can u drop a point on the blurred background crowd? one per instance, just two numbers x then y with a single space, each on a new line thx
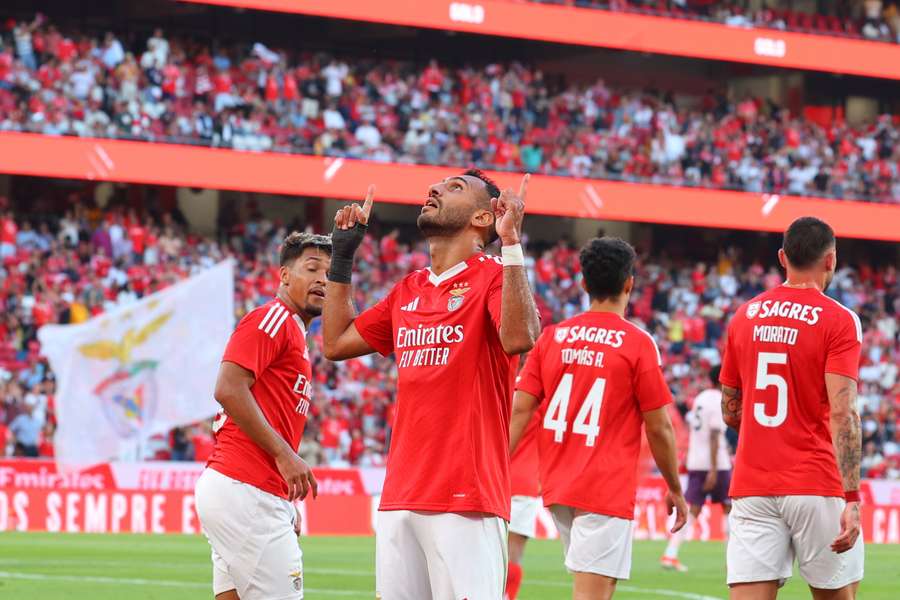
67 269
501 115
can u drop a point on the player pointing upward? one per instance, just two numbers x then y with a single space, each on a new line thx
789 383
455 329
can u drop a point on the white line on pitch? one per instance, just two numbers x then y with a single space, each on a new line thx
151 582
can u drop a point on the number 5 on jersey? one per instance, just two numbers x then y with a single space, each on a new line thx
764 379
588 418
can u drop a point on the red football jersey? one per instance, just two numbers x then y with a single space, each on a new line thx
595 374
523 464
270 341
779 347
450 443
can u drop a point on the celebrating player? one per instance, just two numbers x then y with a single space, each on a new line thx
244 496
598 378
708 464
526 502
456 330
791 364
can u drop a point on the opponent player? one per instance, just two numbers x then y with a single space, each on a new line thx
708 464
598 379
526 502
244 495
456 330
791 364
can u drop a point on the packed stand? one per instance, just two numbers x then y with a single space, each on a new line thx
502 116
88 261
876 20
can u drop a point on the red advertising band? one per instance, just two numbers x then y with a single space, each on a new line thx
339 178
851 496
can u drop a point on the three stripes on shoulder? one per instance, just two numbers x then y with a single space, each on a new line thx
273 320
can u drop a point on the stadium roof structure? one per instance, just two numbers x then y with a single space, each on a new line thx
607 29
344 178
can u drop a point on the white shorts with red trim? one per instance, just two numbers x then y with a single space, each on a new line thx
439 556
523 515
766 534
254 546
594 543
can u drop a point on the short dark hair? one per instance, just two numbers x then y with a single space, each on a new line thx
493 192
806 241
492 189
606 264
298 241
714 375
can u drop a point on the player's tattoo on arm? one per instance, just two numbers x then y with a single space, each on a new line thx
846 432
732 406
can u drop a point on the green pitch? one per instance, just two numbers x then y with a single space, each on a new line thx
37 566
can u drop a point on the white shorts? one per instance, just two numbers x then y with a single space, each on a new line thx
767 533
439 556
594 543
254 547
523 516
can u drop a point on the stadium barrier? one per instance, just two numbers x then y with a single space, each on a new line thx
344 178
157 497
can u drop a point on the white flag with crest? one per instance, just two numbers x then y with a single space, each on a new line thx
139 369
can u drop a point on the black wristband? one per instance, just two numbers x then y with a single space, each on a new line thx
344 243
341 270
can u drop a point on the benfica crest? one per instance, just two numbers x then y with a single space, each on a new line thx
128 395
560 334
752 309
457 295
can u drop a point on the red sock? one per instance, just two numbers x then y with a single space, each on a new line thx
513 580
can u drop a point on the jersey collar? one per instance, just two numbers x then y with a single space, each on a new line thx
450 273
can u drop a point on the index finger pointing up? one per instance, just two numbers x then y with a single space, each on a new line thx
367 205
524 187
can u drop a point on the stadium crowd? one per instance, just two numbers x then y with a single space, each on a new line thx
67 269
876 20
502 116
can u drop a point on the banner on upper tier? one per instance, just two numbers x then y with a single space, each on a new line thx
157 497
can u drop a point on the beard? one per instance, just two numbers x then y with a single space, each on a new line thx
829 277
442 222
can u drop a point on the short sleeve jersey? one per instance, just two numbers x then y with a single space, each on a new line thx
704 418
595 375
450 442
270 342
780 345
523 463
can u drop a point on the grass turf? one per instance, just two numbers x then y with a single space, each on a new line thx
39 566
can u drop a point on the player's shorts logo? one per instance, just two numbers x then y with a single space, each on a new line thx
297 580
752 309
561 334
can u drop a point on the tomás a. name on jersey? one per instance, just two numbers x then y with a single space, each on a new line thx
594 375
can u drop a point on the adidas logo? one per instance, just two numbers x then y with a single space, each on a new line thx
412 306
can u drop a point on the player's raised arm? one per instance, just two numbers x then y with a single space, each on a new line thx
847 437
233 385
519 323
661 439
341 340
